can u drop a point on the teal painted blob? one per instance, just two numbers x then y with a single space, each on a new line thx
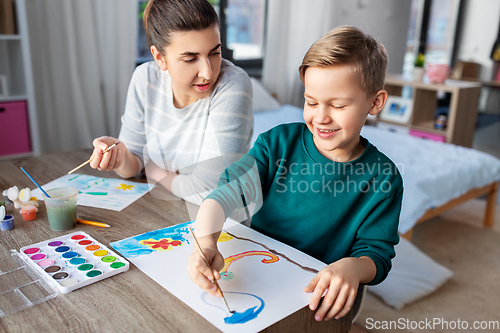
85 267
77 261
93 273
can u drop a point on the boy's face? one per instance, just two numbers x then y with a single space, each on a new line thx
335 110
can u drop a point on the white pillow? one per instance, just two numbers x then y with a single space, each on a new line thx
413 276
262 99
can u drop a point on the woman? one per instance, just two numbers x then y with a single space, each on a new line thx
188 113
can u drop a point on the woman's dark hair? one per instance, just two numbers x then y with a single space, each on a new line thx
164 17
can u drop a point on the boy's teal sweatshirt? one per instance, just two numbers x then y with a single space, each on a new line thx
329 210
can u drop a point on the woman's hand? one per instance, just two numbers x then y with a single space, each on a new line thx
203 275
111 160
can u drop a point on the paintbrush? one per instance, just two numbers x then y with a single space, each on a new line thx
90 159
41 189
206 261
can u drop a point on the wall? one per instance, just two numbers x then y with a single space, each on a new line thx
386 20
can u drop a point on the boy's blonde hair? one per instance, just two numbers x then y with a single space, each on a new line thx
349 46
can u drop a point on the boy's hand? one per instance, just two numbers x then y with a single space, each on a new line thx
341 285
203 275
111 160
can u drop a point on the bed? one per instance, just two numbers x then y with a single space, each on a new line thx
437 176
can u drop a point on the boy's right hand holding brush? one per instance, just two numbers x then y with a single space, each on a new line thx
208 226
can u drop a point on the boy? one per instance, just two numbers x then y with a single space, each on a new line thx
323 188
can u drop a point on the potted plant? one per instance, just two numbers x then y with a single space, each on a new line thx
418 68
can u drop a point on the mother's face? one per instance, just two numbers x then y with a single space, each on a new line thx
193 60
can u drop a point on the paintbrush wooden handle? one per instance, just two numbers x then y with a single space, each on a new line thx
81 165
90 159
206 261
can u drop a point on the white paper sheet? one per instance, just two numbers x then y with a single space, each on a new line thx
263 282
107 193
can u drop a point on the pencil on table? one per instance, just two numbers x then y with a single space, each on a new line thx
206 261
90 159
97 224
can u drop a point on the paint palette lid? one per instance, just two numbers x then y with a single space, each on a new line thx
21 286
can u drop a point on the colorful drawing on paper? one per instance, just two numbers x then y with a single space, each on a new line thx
165 244
158 240
255 275
226 275
238 317
107 193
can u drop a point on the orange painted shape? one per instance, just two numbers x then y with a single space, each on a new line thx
93 247
229 260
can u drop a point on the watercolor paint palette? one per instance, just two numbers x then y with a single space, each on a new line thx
74 260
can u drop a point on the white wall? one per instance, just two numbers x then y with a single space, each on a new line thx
386 20
479 32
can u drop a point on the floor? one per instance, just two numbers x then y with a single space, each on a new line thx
487 136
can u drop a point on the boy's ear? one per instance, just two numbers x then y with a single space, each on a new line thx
159 58
378 102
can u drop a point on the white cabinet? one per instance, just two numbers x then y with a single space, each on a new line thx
16 71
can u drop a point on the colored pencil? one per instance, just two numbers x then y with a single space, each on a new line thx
90 159
41 189
206 261
97 224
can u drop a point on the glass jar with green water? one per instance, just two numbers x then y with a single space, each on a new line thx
61 208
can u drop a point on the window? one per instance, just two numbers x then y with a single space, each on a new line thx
242 25
143 53
242 32
432 31
245 28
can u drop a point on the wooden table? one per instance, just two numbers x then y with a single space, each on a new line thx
127 302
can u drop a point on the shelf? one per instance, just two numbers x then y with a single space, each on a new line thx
13 98
10 37
16 67
428 126
15 156
448 86
392 122
462 113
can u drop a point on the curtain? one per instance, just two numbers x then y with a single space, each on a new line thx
83 55
292 27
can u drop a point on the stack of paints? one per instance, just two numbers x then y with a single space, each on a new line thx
23 199
75 260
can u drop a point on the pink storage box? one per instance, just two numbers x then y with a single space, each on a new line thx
430 136
14 128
